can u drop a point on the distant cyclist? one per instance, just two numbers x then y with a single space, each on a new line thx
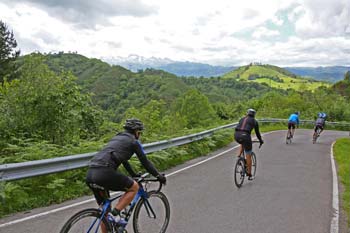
293 121
243 137
320 122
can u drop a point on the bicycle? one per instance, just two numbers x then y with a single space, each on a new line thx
146 207
316 135
240 170
289 137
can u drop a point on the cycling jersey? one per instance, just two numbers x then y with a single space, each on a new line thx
320 121
294 118
247 124
119 150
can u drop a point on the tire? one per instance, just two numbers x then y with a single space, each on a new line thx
239 172
81 222
146 223
254 164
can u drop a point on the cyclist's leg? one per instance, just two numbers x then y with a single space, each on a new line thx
293 129
289 134
248 147
128 196
100 193
239 139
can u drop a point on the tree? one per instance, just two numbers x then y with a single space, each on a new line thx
195 108
347 76
8 54
41 104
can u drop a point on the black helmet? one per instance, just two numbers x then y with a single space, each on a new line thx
133 124
251 112
297 113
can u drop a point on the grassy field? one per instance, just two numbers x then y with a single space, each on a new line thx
341 154
274 78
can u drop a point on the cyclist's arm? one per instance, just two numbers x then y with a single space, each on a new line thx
257 131
148 165
129 169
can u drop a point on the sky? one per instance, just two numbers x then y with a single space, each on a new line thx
221 32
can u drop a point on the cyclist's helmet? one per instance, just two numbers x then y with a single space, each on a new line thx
320 114
251 112
133 124
297 113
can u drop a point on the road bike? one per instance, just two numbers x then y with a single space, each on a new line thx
150 209
241 169
289 137
316 135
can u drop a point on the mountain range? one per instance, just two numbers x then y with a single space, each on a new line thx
195 69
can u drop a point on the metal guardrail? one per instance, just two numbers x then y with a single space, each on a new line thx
15 171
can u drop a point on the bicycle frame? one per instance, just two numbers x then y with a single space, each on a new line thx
141 194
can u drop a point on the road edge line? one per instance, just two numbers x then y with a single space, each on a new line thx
335 201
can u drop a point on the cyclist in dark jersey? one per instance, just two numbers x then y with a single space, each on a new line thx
103 166
320 122
243 137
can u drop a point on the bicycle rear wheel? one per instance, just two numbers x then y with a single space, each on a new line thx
86 221
152 215
239 172
254 164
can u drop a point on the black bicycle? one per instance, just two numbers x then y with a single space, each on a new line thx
289 137
241 169
150 209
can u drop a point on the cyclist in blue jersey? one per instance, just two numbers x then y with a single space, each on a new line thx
293 121
320 122
103 168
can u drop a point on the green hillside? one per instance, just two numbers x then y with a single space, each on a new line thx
273 76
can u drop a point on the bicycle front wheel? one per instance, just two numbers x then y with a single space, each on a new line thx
239 172
86 221
152 215
254 164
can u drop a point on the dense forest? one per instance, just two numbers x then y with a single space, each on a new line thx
64 103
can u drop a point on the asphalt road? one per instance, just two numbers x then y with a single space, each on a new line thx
292 192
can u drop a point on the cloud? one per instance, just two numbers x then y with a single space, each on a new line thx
323 18
88 14
264 32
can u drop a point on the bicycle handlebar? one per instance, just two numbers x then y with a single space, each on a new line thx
144 178
255 141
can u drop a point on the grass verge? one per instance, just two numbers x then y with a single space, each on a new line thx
341 155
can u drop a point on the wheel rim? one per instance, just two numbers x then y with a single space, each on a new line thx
254 165
239 173
146 222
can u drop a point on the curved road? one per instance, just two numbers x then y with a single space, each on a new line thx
292 192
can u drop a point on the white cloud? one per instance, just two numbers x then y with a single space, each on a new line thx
264 32
324 18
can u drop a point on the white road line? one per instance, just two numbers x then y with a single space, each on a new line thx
92 199
335 201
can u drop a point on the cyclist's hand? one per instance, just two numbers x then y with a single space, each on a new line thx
161 178
261 142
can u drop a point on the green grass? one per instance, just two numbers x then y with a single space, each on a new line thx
266 75
341 154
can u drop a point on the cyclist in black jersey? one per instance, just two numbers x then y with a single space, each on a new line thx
243 137
103 166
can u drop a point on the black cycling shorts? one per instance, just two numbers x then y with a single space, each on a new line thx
109 179
245 140
291 125
318 127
